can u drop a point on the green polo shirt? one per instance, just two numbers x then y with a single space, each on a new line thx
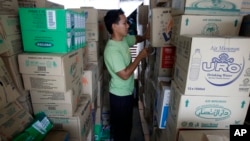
117 57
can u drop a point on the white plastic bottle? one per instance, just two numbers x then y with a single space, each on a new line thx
195 65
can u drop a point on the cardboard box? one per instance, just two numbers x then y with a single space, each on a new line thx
205 25
203 135
51 30
92 32
56 104
79 125
54 109
160 26
89 80
216 66
9 110
206 112
9 7
164 62
68 97
39 4
8 91
203 7
245 4
11 64
91 14
15 125
93 51
11 45
53 72
163 104
9 24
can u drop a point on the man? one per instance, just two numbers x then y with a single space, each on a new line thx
117 59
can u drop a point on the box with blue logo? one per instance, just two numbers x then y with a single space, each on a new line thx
162 105
206 7
218 66
51 30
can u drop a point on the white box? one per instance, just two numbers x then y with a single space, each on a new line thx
79 125
205 25
53 72
213 65
204 7
206 112
161 26
204 135
163 104
89 80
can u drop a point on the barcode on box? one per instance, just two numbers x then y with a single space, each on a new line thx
51 108
41 68
51 19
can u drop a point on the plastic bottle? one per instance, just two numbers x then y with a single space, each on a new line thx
195 65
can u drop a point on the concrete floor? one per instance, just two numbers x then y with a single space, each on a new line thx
137 131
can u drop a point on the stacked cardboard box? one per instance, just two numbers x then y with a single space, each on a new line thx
52 65
206 92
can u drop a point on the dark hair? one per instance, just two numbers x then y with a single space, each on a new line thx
112 17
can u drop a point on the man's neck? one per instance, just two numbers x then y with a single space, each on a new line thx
116 37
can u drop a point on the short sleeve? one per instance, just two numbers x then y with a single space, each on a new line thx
130 40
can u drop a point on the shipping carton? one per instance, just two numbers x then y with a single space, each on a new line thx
15 125
89 81
39 4
206 112
216 66
204 7
9 7
9 24
11 45
53 72
205 25
245 4
160 26
51 30
164 63
8 91
204 135
163 104
79 125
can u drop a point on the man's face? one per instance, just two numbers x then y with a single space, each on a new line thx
122 27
